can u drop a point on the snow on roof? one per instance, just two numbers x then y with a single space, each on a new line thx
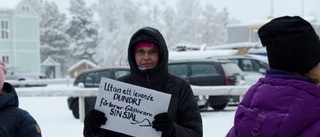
9 4
82 62
49 61
235 45
311 19
173 55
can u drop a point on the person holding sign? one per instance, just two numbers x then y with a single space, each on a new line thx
14 122
148 60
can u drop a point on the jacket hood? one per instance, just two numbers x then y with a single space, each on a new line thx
150 35
10 98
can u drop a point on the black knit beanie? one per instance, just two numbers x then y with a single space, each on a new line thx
292 44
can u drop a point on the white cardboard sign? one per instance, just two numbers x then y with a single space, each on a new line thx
129 108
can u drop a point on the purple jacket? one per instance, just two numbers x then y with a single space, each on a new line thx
280 105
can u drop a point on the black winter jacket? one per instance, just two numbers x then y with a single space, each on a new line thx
15 122
183 108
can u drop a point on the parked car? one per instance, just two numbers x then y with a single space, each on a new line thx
21 74
253 66
91 79
208 72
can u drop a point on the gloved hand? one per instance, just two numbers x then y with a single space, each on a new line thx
3 72
162 122
92 122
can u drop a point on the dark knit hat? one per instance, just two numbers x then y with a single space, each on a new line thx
292 44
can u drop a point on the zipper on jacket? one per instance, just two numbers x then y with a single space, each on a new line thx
148 81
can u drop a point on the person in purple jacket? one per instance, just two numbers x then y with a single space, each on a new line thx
286 102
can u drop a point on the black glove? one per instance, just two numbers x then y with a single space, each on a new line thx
92 122
162 122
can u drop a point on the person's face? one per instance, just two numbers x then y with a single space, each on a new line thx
147 57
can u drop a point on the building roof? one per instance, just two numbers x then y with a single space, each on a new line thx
49 62
11 5
84 61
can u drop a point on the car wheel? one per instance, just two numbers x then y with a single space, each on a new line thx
22 79
219 107
218 102
204 108
75 110
88 103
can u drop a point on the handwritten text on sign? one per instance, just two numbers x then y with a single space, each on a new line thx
130 109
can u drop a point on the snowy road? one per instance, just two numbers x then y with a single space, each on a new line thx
56 120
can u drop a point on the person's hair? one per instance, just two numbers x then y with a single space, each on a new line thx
313 77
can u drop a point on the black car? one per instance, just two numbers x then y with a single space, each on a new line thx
91 78
208 72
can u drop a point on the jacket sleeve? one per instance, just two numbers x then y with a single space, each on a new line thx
28 126
189 121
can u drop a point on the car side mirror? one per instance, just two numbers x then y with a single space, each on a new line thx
81 85
262 71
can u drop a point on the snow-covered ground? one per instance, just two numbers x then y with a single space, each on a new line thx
56 120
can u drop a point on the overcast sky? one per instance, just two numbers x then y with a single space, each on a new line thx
246 10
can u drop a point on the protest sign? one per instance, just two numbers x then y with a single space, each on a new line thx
129 108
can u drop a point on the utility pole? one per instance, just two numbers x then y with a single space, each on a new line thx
302 8
271 8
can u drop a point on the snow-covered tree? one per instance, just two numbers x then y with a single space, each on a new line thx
118 20
170 31
83 30
54 41
190 24
189 18
198 25
214 24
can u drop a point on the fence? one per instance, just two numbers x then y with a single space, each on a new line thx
67 81
85 92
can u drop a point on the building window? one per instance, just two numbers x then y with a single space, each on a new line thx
6 59
25 9
4 29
